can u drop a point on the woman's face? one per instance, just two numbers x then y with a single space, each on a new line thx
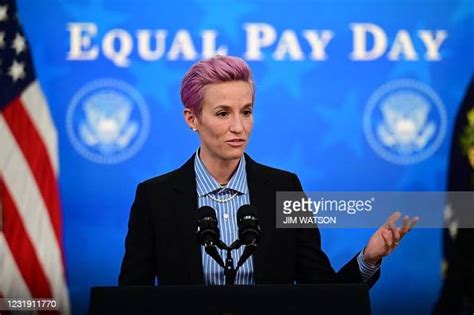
226 120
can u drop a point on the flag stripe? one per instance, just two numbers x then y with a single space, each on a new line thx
35 104
31 208
24 254
36 155
12 284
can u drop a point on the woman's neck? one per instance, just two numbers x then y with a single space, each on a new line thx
221 170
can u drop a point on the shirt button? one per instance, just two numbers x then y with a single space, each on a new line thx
226 216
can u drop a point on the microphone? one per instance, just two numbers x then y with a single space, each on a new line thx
208 234
249 231
247 221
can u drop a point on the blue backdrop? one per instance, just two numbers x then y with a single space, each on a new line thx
351 95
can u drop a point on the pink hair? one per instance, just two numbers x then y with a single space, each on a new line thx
216 69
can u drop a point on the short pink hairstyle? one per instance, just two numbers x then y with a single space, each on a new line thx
216 69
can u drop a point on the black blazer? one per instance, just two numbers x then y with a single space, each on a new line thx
161 239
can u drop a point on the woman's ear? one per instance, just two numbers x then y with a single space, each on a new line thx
190 118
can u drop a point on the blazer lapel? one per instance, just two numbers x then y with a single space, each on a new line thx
259 194
186 202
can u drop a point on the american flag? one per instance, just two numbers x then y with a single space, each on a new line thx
31 254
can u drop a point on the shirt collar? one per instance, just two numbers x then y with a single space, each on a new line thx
206 184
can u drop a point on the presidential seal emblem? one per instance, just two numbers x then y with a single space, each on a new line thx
405 121
107 121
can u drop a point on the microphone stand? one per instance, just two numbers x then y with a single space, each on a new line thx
229 271
248 251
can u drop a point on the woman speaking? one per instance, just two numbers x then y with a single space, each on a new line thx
161 245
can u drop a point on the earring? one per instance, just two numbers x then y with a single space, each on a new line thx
194 129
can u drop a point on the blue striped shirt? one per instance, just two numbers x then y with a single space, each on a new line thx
226 213
227 217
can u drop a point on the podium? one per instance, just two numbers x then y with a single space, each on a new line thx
232 300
